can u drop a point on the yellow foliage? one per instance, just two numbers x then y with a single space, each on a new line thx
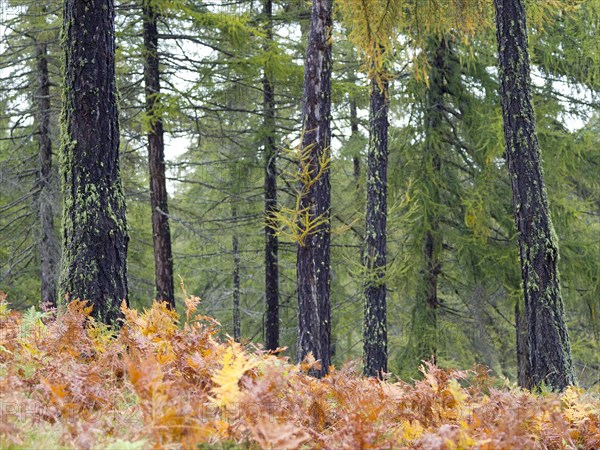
457 392
181 387
154 322
411 430
577 408
226 391
298 223
377 24
4 309
101 336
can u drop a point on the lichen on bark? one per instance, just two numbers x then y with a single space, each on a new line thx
548 342
95 236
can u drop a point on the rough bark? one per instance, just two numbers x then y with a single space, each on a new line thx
523 368
548 342
313 254
161 233
375 316
270 189
94 226
49 243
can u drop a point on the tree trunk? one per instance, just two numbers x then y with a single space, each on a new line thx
549 348
523 368
375 332
313 256
271 240
94 226
49 244
428 302
354 134
161 233
237 333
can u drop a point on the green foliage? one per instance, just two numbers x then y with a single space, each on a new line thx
25 25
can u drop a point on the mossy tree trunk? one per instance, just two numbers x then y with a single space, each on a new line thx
94 226
161 233
313 254
270 189
549 348
375 315
49 244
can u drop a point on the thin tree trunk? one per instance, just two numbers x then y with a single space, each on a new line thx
94 226
237 334
271 240
313 254
161 233
354 134
434 118
428 320
49 243
375 316
549 348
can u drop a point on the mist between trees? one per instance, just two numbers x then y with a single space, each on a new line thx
366 208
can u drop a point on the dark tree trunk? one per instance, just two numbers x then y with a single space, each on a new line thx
549 348
271 240
49 244
354 134
161 233
428 301
375 331
95 230
523 367
237 333
314 307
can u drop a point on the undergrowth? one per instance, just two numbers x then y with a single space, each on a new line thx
165 382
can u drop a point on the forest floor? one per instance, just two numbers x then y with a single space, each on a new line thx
165 382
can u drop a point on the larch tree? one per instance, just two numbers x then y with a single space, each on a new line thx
270 190
374 28
427 298
94 226
549 348
161 233
372 31
28 86
237 290
569 45
229 57
313 251
566 47
49 243
440 176
49 246
375 315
